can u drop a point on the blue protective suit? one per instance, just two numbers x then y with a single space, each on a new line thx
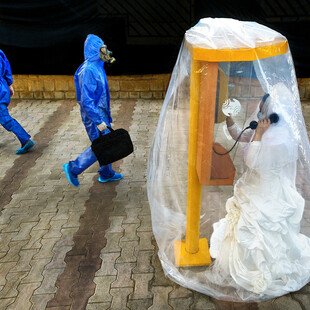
93 96
6 120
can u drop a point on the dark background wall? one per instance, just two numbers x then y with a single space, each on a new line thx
46 37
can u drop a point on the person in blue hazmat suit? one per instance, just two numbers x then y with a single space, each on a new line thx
6 120
93 96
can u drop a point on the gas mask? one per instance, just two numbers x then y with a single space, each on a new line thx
106 55
263 107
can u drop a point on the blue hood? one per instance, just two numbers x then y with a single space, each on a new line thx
92 47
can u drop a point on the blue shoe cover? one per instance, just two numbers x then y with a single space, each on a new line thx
26 148
116 177
71 178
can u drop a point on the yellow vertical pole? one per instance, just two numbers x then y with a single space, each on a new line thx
194 186
194 251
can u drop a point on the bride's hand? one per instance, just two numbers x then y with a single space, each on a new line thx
262 126
229 120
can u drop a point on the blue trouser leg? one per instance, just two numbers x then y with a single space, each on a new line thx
85 160
10 124
106 172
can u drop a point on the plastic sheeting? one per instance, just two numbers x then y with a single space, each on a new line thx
259 198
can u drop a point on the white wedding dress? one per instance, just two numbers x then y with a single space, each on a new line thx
258 246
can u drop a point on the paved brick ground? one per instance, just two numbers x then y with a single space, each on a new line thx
92 247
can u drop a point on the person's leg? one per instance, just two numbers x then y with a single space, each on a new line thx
77 166
107 174
10 124
83 161
87 158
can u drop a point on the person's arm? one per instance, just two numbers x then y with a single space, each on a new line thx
88 95
229 121
11 90
7 72
235 131
261 128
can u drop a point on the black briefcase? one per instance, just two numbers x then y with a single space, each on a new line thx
112 146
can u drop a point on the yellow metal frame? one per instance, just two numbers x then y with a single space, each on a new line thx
184 259
194 251
238 54
194 186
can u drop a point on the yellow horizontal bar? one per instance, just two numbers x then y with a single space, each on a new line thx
241 54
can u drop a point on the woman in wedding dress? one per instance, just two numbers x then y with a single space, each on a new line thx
258 246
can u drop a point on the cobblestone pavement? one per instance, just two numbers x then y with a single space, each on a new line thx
92 247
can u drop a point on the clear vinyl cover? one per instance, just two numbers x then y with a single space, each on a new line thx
258 226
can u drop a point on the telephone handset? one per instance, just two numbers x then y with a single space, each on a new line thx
273 117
